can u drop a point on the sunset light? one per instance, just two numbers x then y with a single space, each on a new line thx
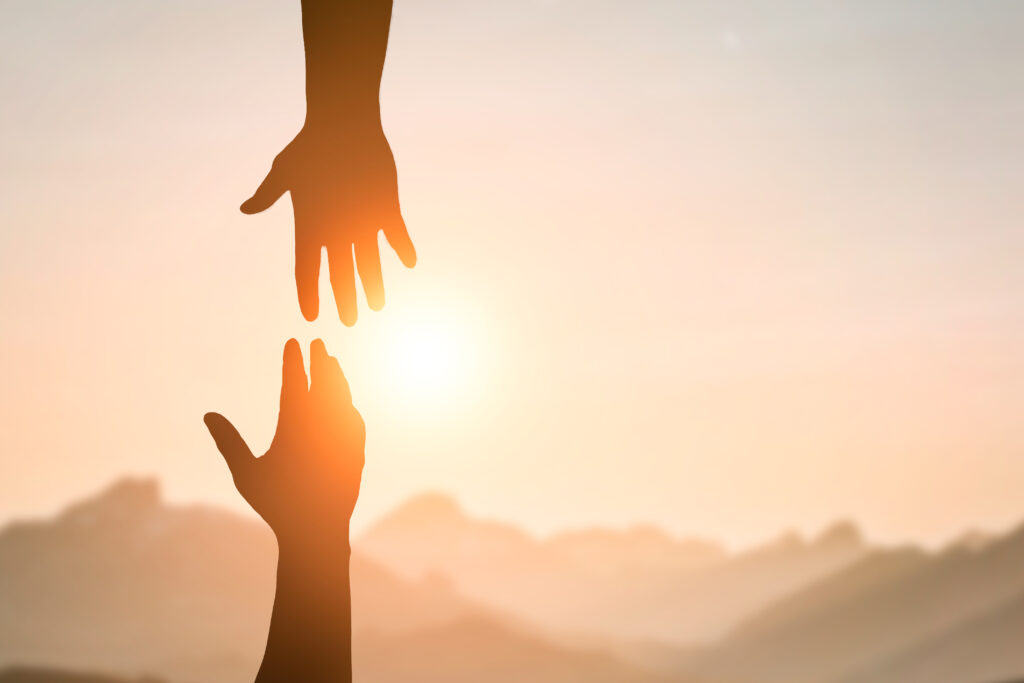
604 341
429 360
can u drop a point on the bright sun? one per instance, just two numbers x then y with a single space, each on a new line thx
426 357
429 360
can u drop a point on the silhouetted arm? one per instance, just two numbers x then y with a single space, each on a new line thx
305 487
310 637
339 169
346 42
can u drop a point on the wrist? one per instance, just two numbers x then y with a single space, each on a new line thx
343 117
315 547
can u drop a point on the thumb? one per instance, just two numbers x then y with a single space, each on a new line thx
230 443
269 191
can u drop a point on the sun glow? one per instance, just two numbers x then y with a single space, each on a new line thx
432 356
429 359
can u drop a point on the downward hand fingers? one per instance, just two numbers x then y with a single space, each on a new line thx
343 281
398 237
368 263
307 268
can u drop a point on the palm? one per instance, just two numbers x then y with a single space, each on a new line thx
344 189
309 478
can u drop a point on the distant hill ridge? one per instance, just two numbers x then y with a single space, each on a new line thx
126 584
897 615
44 675
637 583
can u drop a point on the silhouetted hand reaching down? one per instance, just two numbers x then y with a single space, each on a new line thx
305 487
339 169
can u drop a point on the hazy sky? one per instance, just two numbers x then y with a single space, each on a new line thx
726 266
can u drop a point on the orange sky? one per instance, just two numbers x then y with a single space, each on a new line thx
713 265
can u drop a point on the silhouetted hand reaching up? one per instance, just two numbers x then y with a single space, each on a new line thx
309 477
339 169
305 487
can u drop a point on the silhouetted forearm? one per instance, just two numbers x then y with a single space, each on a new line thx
346 41
310 638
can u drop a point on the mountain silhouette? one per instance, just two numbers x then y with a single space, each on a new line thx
487 651
42 675
894 616
126 584
637 584
986 647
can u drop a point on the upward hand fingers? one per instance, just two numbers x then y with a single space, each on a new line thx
294 388
328 381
